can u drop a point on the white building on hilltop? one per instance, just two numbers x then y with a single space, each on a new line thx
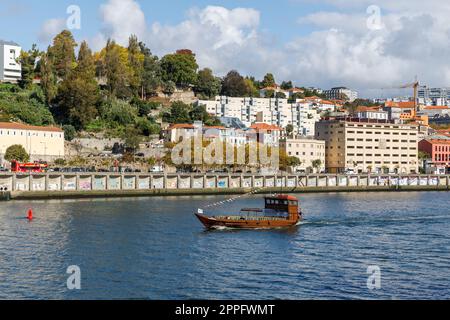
10 68
302 115
339 93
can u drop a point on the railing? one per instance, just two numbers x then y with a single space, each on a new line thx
36 182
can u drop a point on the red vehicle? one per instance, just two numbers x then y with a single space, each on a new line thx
28 167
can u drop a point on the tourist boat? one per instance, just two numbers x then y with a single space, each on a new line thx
280 211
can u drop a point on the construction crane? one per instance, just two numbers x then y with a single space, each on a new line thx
415 85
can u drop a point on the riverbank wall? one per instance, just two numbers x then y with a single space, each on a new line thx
86 185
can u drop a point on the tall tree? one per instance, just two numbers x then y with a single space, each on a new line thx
208 86
286 85
62 54
269 80
28 62
233 85
115 68
180 67
79 94
48 78
136 64
151 77
252 90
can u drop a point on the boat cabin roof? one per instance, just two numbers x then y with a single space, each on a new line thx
282 197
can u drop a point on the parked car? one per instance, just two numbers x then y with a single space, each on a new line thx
3 169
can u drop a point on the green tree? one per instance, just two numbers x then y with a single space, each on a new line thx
69 132
289 129
79 93
286 85
180 67
208 86
251 88
48 79
28 61
269 80
179 113
114 67
132 140
233 85
199 113
136 63
62 54
316 164
151 76
16 152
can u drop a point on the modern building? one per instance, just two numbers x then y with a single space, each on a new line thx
364 145
41 143
400 110
301 114
341 93
307 150
438 148
10 68
372 113
433 96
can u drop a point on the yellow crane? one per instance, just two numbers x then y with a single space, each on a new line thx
415 85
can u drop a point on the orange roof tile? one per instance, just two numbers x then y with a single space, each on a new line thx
181 126
21 126
265 126
436 107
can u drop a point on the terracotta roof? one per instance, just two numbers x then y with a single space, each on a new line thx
365 108
436 141
215 127
265 126
436 107
181 126
21 126
405 105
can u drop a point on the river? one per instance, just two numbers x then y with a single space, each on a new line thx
154 248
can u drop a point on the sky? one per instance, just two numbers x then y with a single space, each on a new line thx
372 46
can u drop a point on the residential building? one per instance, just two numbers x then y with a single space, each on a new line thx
438 148
178 132
10 68
341 93
400 110
277 89
307 150
41 143
372 113
432 111
267 134
365 145
301 114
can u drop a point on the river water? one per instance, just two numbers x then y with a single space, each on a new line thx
154 248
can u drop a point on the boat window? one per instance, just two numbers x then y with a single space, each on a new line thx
293 203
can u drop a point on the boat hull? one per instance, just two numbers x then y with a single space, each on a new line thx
216 223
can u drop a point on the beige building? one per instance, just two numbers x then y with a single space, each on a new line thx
370 146
41 143
307 151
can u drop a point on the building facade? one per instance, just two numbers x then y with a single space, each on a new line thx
307 151
10 68
41 143
302 115
363 145
339 93
433 96
439 152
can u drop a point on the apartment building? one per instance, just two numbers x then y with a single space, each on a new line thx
364 145
339 93
177 132
278 112
372 113
433 96
10 68
307 150
41 143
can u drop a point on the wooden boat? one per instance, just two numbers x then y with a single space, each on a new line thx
280 211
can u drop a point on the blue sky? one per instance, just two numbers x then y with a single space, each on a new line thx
278 17
363 44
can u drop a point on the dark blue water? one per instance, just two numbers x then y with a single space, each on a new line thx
154 248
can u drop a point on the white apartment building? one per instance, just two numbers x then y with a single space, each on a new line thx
41 143
278 112
10 69
369 146
372 113
177 132
433 96
307 151
338 92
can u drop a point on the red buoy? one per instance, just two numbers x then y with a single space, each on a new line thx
30 215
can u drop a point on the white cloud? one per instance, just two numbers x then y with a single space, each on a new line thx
414 40
121 18
51 28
